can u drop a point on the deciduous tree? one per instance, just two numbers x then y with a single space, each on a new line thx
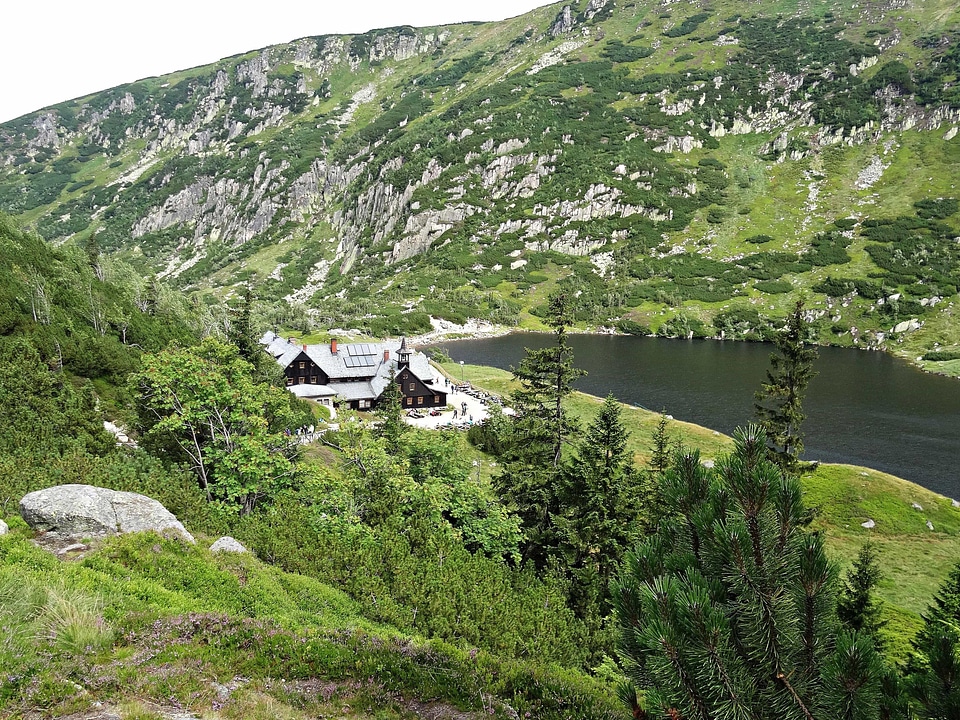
200 405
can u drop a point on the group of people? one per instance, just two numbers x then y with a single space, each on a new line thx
306 432
463 411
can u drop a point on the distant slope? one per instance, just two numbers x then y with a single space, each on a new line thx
685 170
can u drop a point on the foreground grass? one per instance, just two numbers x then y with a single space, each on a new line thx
226 636
915 559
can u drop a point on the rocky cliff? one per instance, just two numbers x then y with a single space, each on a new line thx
686 169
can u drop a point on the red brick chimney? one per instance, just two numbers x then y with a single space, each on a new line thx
333 346
304 347
386 356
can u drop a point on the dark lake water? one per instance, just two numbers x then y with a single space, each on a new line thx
864 408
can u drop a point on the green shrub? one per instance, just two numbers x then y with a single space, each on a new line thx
939 209
773 287
632 327
716 216
619 53
942 355
687 26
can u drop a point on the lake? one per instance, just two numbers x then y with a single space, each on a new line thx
863 408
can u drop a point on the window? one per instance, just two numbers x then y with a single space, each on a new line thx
420 400
303 364
413 386
289 381
302 380
409 401
405 376
313 379
363 403
436 399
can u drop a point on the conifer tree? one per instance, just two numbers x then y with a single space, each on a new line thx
728 610
94 256
546 378
390 411
779 402
857 608
242 332
530 480
602 504
933 673
660 459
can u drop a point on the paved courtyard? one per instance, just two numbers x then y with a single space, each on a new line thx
476 411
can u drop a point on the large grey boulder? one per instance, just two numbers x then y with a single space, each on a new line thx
88 511
3 528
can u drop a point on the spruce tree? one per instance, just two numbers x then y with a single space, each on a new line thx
531 475
728 611
94 255
242 332
601 509
933 672
390 412
857 608
660 458
779 402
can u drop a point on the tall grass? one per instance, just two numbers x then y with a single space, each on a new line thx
72 621
67 620
20 604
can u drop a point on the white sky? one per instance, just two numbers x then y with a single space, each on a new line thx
61 49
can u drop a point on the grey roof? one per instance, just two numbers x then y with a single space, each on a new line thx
312 391
352 360
365 360
354 390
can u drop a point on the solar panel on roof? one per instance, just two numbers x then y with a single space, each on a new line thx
356 361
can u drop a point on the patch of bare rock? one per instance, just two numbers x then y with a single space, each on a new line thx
67 513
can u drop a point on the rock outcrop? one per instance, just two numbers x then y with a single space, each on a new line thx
227 544
89 511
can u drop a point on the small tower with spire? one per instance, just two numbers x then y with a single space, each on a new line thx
403 355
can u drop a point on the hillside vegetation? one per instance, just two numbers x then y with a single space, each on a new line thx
389 579
684 170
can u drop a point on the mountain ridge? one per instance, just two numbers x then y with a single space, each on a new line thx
681 171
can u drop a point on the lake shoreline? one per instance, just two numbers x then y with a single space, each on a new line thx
445 331
870 409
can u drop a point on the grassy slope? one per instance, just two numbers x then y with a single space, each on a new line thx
770 200
179 620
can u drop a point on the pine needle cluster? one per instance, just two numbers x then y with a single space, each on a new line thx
729 610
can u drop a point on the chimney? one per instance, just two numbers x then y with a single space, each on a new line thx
304 347
386 356
333 346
